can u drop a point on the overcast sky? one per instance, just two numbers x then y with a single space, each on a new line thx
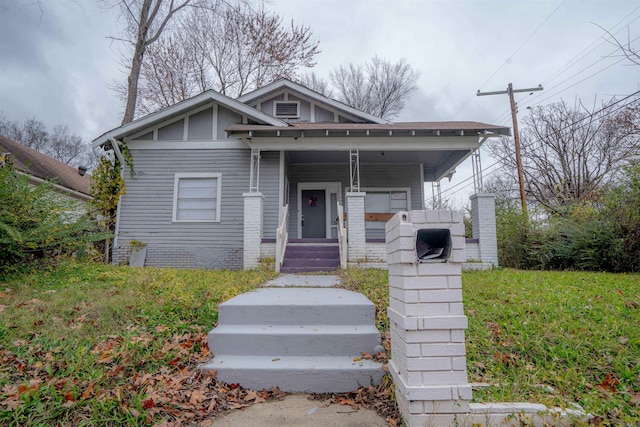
57 62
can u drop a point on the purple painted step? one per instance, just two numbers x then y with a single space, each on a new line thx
306 258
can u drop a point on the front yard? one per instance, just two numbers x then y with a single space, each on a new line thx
89 344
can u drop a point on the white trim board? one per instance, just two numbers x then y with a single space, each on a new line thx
186 175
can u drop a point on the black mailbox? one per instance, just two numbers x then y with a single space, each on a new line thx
433 245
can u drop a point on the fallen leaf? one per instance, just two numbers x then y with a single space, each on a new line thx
197 397
608 384
635 399
210 373
251 395
147 404
134 412
88 392
356 359
392 422
366 355
2 307
623 340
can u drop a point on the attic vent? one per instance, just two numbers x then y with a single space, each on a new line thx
287 109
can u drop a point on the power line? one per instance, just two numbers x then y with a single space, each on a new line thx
511 56
581 55
570 125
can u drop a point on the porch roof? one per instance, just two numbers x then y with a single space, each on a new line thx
370 129
438 146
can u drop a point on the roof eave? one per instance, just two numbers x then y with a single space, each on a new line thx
195 101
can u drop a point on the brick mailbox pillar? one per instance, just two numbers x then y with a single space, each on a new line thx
425 252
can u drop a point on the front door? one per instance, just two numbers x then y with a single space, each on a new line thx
314 215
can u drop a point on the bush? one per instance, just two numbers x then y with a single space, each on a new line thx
602 234
37 222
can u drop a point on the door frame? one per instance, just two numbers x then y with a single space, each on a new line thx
329 188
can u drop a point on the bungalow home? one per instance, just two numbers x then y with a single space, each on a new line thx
282 172
71 182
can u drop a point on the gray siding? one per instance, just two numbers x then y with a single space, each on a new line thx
323 115
201 126
371 175
172 132
147 209
227 117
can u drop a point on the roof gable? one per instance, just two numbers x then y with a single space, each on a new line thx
265 92
36 164
182 107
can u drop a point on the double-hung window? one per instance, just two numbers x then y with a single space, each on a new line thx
196 197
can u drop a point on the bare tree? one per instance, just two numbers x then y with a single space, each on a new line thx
316 83
60 144
232 49
378 87
146 21
627 48
32 133
570 153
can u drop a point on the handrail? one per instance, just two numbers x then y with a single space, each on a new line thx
282 237
342 237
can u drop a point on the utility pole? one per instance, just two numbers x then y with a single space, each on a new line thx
516 136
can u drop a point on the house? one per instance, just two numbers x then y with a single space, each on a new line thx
67 180
222 183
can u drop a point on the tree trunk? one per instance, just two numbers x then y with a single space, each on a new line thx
136 62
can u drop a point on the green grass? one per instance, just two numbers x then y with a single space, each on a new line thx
89 344
76 339
547 337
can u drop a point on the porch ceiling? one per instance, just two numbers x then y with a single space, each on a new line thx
436 164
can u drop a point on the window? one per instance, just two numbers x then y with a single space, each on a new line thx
196 197
286 109
386 201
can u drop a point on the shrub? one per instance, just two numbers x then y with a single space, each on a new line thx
37 222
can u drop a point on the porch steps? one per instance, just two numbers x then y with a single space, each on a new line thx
298 339
311 257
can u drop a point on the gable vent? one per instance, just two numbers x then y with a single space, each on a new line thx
287 109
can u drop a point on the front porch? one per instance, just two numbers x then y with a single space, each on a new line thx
313 205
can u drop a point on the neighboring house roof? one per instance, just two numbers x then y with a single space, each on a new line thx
435 128
183 106
280 84
42 167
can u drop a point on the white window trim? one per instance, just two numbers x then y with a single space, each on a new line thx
179 176
275 108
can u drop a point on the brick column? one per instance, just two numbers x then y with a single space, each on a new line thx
427 322
355 227
483 221
252 229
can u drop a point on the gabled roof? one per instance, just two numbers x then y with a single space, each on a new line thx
43 167
184 106
320 98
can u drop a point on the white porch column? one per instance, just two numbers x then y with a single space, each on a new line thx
427 321
355 227
483 221
252 229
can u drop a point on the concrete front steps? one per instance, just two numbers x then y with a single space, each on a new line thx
311 255
298 339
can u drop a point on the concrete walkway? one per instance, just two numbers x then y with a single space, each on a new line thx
298 410
304 281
